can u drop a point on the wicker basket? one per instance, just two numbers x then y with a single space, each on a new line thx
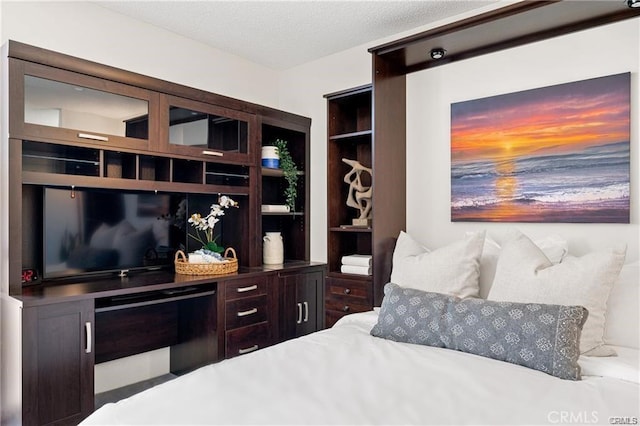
184 267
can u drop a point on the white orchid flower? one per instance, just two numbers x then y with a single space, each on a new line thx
208 222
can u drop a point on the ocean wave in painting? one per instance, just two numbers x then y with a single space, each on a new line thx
573 186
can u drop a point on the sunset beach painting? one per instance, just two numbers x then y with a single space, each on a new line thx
553 154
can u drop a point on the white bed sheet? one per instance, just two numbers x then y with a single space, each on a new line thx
345 376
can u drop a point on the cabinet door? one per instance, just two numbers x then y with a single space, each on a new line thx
63 105
203 130
58 360
301 305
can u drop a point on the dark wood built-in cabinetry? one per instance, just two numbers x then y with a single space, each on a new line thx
248 314
302 302
349 136
58 358
146 137
294 224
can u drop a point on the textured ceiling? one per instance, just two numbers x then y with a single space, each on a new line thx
283 34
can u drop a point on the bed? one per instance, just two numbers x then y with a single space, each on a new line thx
345 375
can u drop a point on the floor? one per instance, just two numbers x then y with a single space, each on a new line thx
116 395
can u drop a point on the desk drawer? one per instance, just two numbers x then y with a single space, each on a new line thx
126 332
246 311
356 291
345 306
336 309
247 339
236 289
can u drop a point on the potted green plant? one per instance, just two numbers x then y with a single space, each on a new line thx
290 172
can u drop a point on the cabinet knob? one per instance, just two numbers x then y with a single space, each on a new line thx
347 291
345 308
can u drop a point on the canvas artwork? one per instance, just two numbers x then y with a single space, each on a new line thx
553 154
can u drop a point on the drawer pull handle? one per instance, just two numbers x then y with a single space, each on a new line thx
87 328
247 350
345 308
213 153
306 311
347 291
93 137
299 321
245 289
249 312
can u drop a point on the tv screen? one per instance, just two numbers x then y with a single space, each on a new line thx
98 231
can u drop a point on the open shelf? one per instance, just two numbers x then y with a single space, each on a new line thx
352 135
349 228
294 224
270 172
55 164
340 275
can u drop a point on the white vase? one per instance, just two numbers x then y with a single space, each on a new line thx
272 249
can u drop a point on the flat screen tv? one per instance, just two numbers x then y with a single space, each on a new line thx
92 231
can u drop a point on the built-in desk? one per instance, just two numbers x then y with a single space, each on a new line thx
71 326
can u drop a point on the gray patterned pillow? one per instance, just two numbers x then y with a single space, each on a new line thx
534 335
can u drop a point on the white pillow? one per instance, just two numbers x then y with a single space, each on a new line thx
554 247
453 269
525 274
622 327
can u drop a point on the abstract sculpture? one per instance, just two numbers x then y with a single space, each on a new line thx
359 196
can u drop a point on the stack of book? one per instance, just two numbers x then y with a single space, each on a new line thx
359 264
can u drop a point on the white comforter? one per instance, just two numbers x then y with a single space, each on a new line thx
345 376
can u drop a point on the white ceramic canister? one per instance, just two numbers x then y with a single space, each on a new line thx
270 157
272 249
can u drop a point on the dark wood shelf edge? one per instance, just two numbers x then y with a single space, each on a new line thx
350 229
49 179
351 135
349 92
283 214
266 171
335 274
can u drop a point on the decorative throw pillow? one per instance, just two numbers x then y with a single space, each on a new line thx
537 336
525 274
553 246
453 269
622 326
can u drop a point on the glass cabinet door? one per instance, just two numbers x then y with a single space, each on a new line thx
204 130
64 105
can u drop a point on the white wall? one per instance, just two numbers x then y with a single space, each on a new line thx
97 34
302 89
569 58
429 95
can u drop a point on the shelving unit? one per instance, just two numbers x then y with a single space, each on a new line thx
349 136
292 224
182 144
42 161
